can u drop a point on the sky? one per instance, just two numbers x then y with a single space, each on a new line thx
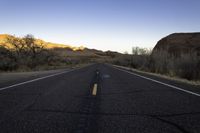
116 25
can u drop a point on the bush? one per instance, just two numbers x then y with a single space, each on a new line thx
184 66
7 61
188 67
24 53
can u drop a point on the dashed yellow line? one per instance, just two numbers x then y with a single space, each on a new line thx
94 91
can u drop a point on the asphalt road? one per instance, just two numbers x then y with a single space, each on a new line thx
98 99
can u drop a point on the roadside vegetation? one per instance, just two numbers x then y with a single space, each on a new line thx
31 54
26 54
185 65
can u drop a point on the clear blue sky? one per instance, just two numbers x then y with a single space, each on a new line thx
102 24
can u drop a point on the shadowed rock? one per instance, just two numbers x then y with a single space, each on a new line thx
179 43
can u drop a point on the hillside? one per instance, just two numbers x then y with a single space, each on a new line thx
67 50
179 43
47 45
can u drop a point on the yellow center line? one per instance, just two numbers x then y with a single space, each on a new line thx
94 91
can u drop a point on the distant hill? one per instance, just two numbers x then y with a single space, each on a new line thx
179 43
47 45
68 50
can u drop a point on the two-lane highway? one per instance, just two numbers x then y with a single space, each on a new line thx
98 99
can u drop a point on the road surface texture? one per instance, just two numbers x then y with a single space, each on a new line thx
15 77
99 98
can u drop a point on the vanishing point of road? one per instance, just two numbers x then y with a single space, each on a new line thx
99 98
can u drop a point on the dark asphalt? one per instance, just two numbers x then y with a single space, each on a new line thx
124 104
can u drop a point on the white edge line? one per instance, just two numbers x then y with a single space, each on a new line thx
172 86
33 80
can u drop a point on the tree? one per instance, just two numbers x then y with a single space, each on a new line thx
16 45
135 50
33 50
26 51
140 51
31 46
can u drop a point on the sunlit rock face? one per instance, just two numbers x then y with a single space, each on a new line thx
179 43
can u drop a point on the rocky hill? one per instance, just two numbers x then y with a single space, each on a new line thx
179 43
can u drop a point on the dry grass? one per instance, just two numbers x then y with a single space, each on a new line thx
196 83
185 66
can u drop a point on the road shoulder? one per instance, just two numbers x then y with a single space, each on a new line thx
185 84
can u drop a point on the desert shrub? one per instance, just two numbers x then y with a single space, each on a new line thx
7 61
160 62
137 61
185 65
124 60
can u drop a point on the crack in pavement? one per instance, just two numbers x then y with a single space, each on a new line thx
88 112
172 124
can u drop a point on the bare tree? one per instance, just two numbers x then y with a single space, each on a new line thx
31 46
33 50
16 45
